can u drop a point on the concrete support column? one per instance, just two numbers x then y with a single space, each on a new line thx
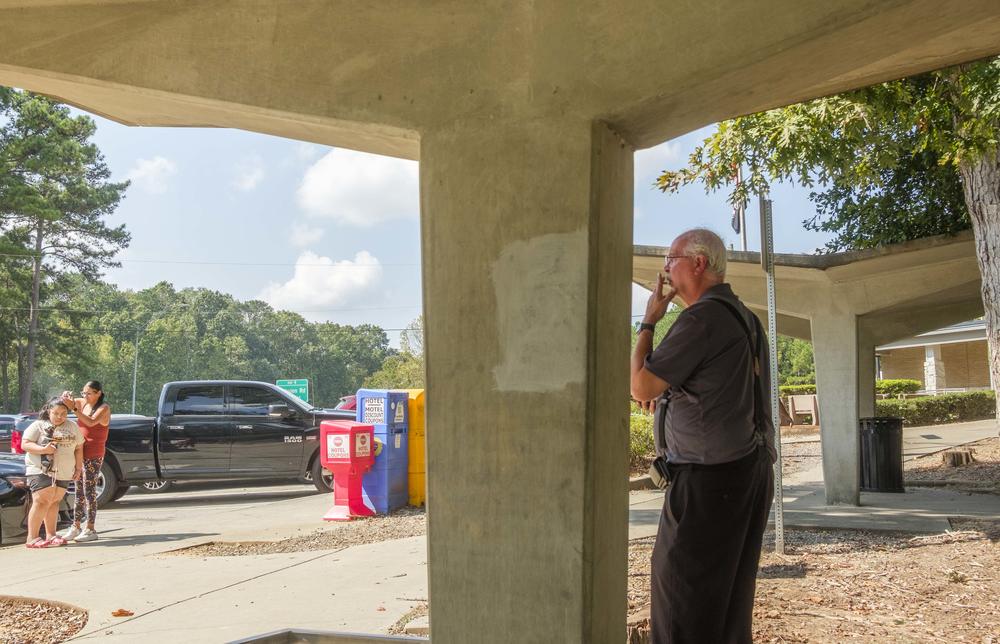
934 376
527 230
835 346
867 368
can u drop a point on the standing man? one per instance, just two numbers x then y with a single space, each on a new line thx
719 447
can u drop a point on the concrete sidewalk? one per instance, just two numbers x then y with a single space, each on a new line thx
216 599
918 510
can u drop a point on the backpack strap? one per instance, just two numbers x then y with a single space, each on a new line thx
758 403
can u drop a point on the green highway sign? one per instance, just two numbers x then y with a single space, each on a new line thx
298 387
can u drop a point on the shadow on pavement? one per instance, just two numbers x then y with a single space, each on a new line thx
117 542
175 500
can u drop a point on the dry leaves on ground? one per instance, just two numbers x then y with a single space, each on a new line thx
407 522
836 586
23 620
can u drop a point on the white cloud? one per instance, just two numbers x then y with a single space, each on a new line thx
650 163
322 283
249 172
307 151
305 235
358 189
152 174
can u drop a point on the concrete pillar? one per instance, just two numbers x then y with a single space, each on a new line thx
934 375
835 347
527 231
867 368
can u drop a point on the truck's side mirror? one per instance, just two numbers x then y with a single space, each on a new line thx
278 411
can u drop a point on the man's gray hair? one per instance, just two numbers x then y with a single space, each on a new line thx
701 241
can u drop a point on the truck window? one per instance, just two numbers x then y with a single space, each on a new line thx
252 401
199 400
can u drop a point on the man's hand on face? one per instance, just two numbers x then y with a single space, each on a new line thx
658 301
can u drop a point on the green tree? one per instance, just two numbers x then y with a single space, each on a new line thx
919 197
403 370
55 190
359 350
662 326
851 139
795 361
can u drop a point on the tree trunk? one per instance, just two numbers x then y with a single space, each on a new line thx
19 349
5 378
957 457
981 184
36 279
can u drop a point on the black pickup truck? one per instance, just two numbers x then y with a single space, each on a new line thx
216 429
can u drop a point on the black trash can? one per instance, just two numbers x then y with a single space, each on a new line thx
881 454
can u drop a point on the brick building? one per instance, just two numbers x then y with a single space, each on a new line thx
953 357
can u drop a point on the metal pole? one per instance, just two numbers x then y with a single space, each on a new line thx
135 367
767 262
743 211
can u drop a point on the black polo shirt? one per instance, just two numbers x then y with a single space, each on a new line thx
706 360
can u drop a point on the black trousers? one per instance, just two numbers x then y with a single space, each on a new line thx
704 570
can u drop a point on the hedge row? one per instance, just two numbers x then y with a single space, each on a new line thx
640 443
797 390
898 386
937 410
890 387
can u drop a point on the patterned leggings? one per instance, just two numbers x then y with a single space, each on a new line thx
91 468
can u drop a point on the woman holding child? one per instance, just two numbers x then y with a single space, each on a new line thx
93 416
53 457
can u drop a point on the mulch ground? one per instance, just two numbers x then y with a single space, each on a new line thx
983 475
839 586
27 621
407 522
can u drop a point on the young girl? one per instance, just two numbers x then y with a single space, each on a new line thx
93 415
53 457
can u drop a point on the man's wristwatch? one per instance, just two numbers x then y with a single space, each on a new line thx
646 326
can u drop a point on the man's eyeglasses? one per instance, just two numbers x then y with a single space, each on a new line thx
668 259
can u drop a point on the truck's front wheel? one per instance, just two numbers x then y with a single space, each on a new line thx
321 477
107 485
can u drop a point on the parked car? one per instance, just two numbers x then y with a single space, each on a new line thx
6 429
349 401
21 423
15 501
214 430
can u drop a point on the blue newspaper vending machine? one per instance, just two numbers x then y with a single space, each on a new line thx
385 486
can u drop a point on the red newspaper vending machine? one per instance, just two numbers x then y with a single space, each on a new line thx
347 450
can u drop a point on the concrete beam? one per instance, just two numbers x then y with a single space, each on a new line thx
320 69
526 358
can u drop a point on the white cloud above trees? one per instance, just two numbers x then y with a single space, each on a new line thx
152 175
358 189
320 283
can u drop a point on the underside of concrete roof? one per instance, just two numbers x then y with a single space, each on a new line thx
364 76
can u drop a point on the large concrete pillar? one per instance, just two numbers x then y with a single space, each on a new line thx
866 368
835 347
527 232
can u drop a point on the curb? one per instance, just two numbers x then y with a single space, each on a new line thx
642 482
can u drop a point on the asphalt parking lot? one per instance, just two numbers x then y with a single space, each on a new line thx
362 588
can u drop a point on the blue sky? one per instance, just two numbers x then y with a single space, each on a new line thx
331 233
